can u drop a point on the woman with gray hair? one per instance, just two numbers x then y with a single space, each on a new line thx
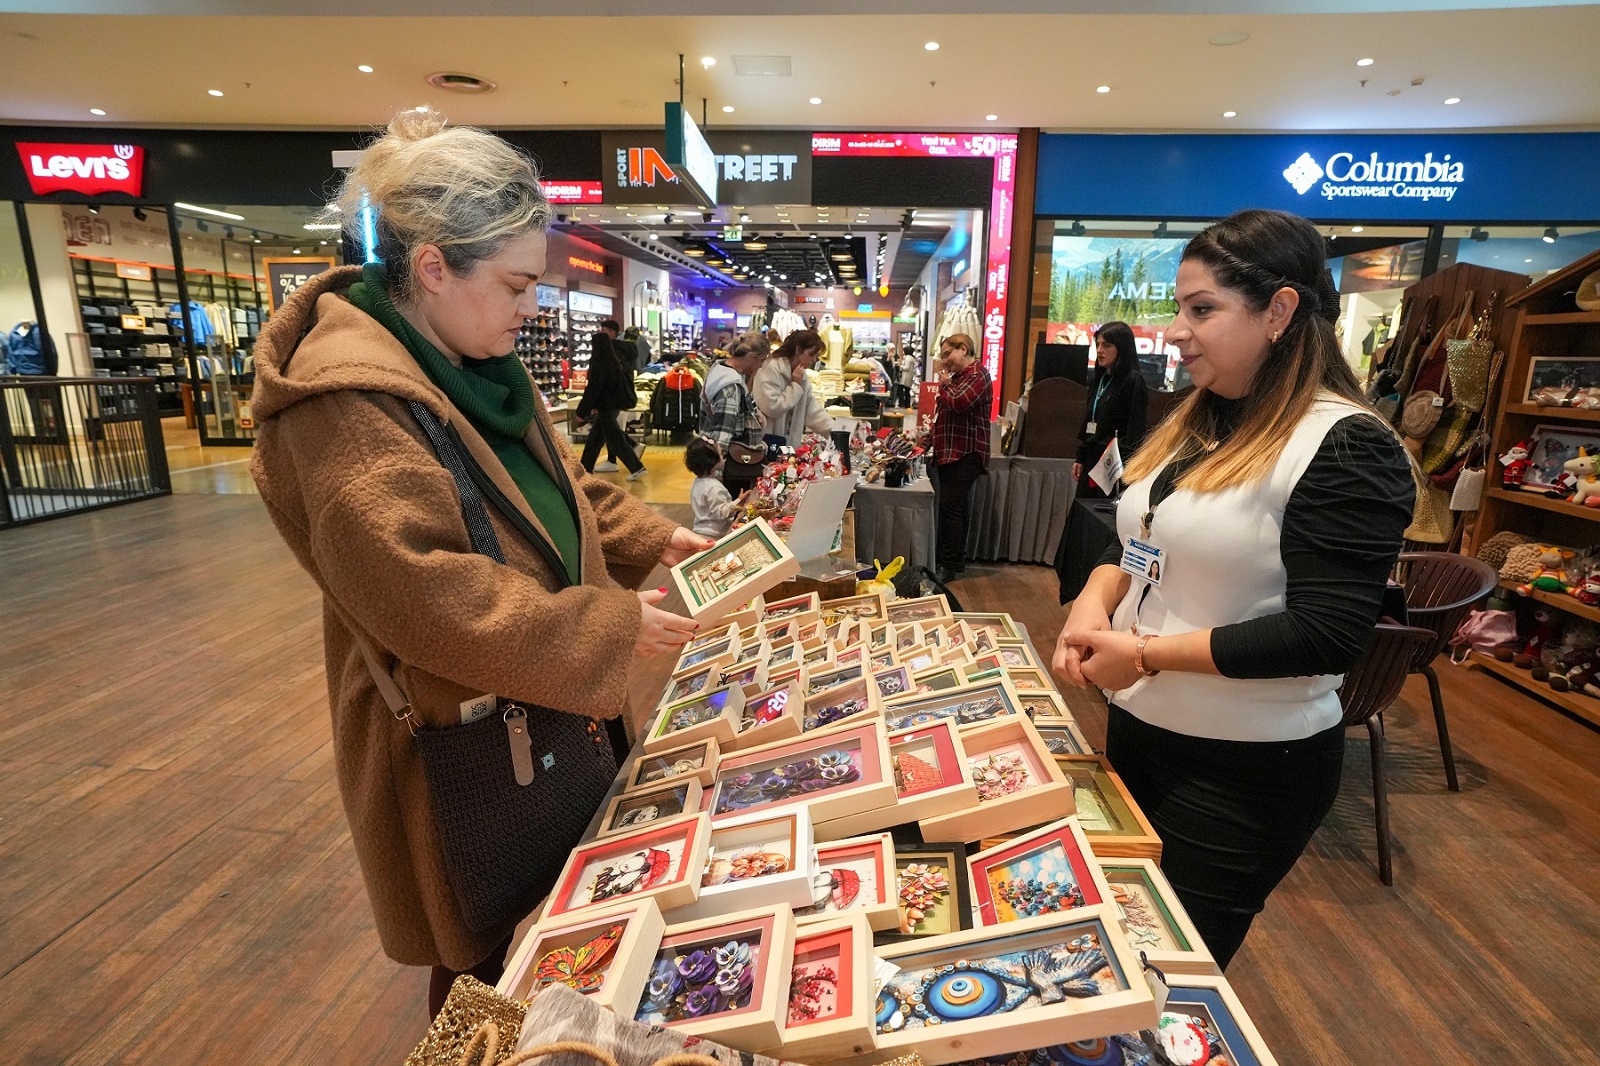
465 557
728 413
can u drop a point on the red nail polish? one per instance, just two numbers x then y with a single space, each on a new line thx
663 588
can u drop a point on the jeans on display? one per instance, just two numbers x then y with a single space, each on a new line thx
1233 816
606 431
954 487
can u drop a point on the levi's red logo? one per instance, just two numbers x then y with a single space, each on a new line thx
90 169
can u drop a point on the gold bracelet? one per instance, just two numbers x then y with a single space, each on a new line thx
1138 656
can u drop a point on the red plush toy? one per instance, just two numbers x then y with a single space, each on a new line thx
1544 631
1515 461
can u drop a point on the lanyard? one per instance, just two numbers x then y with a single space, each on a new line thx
1099 391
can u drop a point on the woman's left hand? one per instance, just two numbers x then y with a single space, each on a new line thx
684 543
1108 663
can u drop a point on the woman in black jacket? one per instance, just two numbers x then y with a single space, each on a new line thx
608 393
1116 404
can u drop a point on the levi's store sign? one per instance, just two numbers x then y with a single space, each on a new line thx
87 169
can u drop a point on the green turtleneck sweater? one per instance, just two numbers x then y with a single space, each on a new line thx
497 398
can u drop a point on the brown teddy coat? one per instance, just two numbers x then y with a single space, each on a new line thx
354 487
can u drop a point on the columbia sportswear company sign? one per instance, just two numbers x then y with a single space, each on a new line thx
88 169
1342 175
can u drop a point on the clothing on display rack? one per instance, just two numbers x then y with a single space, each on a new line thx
29 350
959 317
786 322
197 318
838 342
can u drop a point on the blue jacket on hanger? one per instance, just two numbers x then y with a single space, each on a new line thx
197 315
31 351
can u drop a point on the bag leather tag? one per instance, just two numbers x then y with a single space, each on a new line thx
516 720
474 709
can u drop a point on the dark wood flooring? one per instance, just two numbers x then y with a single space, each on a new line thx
177 884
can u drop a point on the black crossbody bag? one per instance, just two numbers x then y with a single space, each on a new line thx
513 792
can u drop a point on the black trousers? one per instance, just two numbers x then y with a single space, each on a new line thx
1233 816
605 430
955 508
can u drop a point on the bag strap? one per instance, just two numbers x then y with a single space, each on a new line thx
473 511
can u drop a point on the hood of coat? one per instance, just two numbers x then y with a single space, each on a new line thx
319 342
721 376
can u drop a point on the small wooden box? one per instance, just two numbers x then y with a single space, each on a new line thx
869 607
750 677
630 810
1044 871
807 607
769 716
608 956
1046 796
1061 735
712 715
740 566
921 609
861 880
769 932
697 760
854 754
662 860
1154 919
1107 812
931 778
969 704
840 703
831 992
761 860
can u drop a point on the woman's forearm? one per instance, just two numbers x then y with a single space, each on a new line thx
1106 586
1188 653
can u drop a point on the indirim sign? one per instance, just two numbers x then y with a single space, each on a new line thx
1425 179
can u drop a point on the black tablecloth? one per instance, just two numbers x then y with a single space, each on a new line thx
1091 529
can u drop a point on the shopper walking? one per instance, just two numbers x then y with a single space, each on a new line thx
729 417
603 338
783 392
1273 501
960 445
1117 404
356 377
608 393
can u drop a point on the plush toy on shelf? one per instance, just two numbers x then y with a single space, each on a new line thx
1515 461
1585 483
1571 663
1552 575
1543 631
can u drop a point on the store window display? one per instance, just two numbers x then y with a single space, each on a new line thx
1257 531
357 377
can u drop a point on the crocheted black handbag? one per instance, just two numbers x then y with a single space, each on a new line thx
513 792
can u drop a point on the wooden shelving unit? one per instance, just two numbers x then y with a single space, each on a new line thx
1548 324
1585 707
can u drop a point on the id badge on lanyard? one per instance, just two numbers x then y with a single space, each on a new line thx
1143 560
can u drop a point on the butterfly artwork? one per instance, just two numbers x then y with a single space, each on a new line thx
583 967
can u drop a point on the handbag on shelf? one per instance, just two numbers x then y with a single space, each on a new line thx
1483 632
1467 360
472 1008
512 792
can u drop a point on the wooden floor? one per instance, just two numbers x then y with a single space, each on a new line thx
177 884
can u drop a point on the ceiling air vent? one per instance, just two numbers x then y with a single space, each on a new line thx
761 66
460 83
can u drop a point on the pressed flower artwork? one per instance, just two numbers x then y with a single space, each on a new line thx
782 781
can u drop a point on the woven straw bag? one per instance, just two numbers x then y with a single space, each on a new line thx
1494 550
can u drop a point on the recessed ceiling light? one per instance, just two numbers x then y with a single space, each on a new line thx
1230 114
727 109
1231 37
991 118
655 236
932 46
97 111
214 92
1358 229
1453 100
1364 62
363 68
1525 260
816 99
1102 88
708 61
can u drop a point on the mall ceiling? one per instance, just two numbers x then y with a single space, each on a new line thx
1166 64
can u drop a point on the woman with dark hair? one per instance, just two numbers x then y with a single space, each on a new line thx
1260 522
783 392
1116 404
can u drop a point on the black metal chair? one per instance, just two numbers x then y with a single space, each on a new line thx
1370 686
1441 587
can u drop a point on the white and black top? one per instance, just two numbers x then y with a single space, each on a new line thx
1288 573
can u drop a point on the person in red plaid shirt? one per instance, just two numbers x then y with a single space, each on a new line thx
960 444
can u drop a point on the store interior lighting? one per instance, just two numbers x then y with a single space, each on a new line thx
1550 235
1479 233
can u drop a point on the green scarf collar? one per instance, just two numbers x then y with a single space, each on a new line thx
494 393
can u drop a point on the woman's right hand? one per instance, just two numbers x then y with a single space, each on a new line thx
660 631
1087 615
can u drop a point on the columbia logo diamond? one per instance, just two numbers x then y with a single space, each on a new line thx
1303 174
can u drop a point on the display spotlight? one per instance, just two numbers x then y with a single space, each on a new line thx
227 231
199 224
1077 230
1160 230
1479 233
139 214
1550 235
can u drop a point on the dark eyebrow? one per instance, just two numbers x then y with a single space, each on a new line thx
525 274
1199 292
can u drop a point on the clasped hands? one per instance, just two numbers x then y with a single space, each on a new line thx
1089 653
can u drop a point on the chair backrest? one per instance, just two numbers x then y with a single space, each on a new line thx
1380 672
1441 587
1055 413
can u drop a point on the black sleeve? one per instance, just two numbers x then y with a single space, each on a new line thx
1342 531
1135 422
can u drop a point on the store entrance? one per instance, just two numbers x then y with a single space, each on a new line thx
877 284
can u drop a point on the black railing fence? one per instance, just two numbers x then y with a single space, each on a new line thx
76 444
